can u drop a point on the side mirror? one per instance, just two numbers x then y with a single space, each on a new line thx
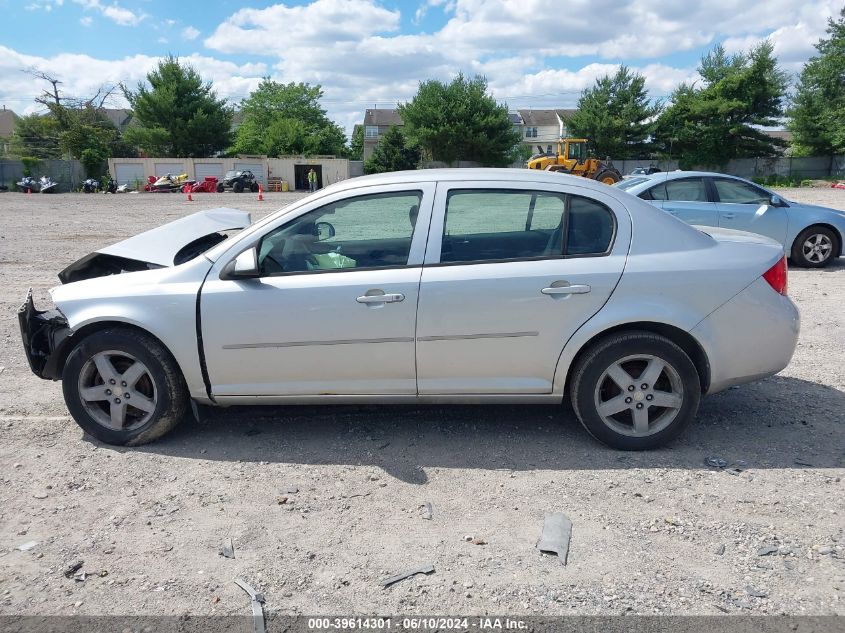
244 266
325 230
776 201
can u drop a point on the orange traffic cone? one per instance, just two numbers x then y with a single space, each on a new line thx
260 192
190 197
28 191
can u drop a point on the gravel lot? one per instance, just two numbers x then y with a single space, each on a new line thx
321 503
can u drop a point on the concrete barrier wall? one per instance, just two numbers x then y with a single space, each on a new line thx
70 174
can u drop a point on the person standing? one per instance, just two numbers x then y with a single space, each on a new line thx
312 180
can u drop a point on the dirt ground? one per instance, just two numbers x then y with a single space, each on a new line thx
322 503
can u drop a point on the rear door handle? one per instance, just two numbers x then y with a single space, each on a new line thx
566 290
384 298
729 216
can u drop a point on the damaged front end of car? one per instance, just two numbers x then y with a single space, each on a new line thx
44 334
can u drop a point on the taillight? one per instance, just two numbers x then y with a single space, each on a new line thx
776 276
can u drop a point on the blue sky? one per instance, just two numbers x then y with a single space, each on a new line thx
535 53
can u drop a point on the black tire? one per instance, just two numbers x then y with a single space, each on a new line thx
162 383
221 187
589 380
253 187
608 175
801 257
238 187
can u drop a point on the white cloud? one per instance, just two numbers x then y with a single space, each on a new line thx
162 40
114 12
190 33
86 20
82 75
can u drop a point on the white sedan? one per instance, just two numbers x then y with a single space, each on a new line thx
438 286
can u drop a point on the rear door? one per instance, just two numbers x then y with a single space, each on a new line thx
686 198
511 271
744 207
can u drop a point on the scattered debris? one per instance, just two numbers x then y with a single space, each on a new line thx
215 600
478 541
383 445
80 576
257 599
72 568
756 593
425 569
468 537
721 608
766 550
557 530
227 550
25 547
716 462
40 495
720 550
281 500
290 490
428 511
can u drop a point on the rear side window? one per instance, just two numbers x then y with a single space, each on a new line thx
685 190
589 227
738 192
488 226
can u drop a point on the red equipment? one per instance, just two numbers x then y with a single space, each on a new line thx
208 185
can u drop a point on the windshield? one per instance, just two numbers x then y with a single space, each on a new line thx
627 183
231 173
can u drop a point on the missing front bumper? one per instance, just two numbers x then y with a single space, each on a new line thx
44 333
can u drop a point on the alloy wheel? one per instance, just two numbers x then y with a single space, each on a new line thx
817 248
639 395
117 390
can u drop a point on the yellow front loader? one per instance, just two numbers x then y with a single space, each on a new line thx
571 158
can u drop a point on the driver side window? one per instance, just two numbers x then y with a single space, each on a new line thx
370 231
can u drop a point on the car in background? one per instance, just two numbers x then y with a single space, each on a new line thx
238 180
431 286
644 171
812 236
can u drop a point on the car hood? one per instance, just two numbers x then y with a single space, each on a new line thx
802 206
166 245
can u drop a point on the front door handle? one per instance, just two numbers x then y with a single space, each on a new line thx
578 289
729 216
382 298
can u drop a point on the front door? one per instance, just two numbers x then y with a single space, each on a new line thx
744 207
334 311
686 199
510 275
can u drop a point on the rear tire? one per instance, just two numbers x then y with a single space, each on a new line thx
123 387
220 187
815 247
608 176
653 370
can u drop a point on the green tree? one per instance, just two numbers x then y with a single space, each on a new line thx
817 115
178 114
460 121
392 154
286 119
36 135
616 115
356 143
710 124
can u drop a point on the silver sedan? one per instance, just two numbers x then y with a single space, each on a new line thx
438 286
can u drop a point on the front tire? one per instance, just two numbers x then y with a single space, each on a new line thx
238 187
815 247
635 391
123 387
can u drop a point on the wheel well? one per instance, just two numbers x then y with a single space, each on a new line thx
84 332
679 337
829 227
